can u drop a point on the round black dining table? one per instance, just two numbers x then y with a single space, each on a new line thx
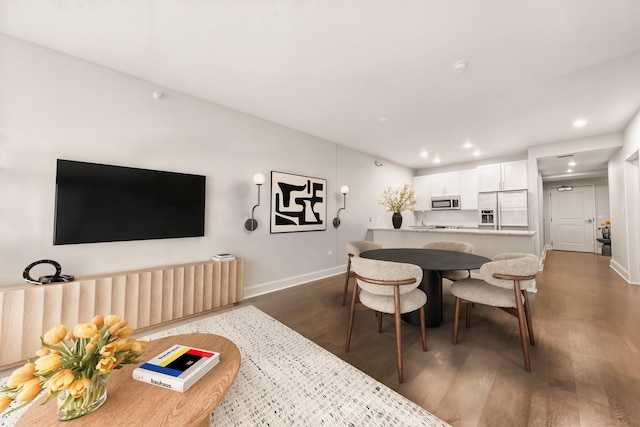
433 262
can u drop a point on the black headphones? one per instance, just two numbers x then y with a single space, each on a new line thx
43 280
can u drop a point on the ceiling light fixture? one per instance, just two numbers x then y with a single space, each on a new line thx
467 145
436 160
424 154
569 170
460 66
377 163
572 163
476 153
578 123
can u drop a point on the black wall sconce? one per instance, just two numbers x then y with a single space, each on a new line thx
344 190
251 224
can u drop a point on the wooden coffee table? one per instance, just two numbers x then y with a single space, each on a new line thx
131 402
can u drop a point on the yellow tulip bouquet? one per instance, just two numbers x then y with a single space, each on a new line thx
74 366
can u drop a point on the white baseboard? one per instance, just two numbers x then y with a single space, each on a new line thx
277 285
622 272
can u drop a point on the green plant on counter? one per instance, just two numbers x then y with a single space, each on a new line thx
398 199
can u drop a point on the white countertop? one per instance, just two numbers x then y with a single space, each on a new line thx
476 231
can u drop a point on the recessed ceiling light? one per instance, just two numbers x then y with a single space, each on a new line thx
424 154
569 170
467 145
572 163
476 153
578 123
377 163
459 66
436 160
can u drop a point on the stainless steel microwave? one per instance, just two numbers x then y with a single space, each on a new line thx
442 203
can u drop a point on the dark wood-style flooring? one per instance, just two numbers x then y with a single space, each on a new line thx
585 365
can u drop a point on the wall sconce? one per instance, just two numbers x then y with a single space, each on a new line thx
344 190
251 224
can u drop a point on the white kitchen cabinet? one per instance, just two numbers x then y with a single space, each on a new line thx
422 191
489 178
514 175
445 184
503 176
469 189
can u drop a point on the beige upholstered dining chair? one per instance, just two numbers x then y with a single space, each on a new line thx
452 275
504 284
354 249
388 287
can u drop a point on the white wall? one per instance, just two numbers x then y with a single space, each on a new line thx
54 106
619 238
625 205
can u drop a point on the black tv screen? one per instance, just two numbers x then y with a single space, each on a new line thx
104 203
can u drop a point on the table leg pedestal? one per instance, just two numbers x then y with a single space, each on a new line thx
432 286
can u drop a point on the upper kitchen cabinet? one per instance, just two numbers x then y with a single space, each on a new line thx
445 184
469 189
503 176
422 191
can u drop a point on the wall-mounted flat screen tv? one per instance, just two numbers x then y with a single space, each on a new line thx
104 203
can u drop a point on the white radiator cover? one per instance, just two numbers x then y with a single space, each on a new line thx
145 298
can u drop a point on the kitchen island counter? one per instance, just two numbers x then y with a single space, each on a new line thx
486 242
463 230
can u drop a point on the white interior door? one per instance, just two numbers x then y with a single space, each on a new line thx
572 219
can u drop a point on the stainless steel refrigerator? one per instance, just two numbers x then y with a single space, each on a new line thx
503 210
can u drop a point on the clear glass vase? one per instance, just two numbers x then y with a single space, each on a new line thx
95 395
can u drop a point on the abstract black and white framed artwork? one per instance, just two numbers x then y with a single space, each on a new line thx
298 203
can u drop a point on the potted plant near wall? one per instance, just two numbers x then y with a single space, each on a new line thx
398 200
605 227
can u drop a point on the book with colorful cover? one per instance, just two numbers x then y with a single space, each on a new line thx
177 368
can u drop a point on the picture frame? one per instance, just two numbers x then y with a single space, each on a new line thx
298 203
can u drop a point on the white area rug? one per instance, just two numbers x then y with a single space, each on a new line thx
287 380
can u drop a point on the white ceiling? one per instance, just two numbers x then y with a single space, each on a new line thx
373 75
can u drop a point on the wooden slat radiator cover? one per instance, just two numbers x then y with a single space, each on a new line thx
146 298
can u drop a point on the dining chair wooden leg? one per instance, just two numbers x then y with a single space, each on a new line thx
522 326
423 329
346 281
398 323
456 321
527 314
351 315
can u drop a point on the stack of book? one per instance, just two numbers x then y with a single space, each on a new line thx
223 257
177 368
